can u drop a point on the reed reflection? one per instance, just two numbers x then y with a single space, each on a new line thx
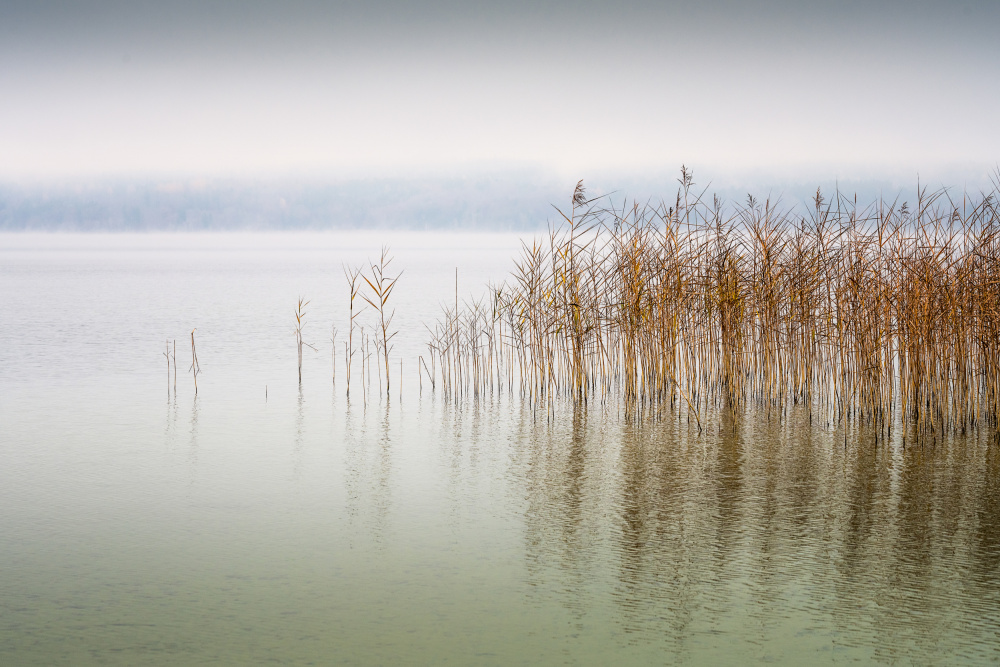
726 522
986 507
565 505
656 551
772 527
170 423
382 486
368 470
297 446
920 569
354 462
193 447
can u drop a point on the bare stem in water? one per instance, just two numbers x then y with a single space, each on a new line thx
380 285
195 368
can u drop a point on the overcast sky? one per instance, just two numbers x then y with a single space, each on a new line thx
244 87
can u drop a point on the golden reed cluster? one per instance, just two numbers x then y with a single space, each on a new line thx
879 313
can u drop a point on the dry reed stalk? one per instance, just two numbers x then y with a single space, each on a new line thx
876 314
167 355
195 368
300 315
381 285
351 274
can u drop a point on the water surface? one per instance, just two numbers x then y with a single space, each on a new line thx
264 521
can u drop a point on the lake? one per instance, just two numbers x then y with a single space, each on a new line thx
267 521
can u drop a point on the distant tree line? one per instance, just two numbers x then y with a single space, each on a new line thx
473 203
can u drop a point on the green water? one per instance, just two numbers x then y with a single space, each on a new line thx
140 526
479 534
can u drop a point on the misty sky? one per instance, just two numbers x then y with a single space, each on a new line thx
244 87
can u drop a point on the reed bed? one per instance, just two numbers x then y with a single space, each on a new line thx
883 313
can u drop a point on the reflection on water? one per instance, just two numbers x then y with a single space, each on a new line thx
368 450
193 445
387 531
773 536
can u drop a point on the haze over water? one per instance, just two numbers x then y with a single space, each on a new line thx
268 520
144 526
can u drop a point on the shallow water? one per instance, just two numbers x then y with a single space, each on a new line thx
260 522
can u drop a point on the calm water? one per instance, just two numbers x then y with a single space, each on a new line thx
140 526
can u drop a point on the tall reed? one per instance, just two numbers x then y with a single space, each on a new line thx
380 285
300 323
167 355
195 368
351 274
879 313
